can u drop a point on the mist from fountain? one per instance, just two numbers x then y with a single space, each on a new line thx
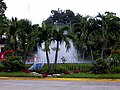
70 55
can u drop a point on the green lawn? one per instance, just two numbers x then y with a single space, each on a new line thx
89 75
16 74
72 75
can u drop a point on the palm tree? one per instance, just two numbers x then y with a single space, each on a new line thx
46 38
28 37
61 34
92 26
3 7
4 25
12 35
108 26
24 37
3 20
81 30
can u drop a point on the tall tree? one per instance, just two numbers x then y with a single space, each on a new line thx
63 19
108 27
12 35
61 34
3 7
66 17
24 37
3 20
82 31
46 38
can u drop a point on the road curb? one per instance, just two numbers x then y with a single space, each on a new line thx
61 79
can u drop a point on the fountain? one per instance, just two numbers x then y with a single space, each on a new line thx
64 56
70 56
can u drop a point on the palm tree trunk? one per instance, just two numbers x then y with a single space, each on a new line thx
15 46
25 53
56 56
83 55
102 53
24 58
91 53
47 56
1 38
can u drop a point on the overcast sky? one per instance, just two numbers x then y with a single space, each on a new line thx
39 10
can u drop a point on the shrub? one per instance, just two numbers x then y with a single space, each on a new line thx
59 69
67 72
27 66
44 75
26 71
13 64
81 67
13 58
43 69
2 67
100 66
116 69
76 71
115 60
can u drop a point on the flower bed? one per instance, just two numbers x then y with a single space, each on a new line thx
67 72
76 71
44 75
26 71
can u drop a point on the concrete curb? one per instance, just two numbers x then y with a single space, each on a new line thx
61 79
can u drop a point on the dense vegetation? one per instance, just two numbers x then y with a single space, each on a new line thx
93 37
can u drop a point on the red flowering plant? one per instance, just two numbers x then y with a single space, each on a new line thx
44 75
26 71
115 51
115 57
76 71
10 51
3 55
67 72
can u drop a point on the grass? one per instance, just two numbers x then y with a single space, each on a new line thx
16 74
27 66
72 75
77 66
70 67
90 75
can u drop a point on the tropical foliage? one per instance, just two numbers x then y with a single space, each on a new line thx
93 37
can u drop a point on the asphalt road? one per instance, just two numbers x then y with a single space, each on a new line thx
57 85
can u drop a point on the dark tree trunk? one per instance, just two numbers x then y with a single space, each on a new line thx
24 58
83 55
48 61
56 56
91 53
15 46
102 52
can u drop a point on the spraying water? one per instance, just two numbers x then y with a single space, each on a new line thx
70 56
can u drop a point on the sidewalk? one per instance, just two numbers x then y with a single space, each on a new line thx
61 79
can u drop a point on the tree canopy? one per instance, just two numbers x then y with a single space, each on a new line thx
93 37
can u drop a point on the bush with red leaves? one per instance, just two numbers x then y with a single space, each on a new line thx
26 71
76 71
44 75
67 72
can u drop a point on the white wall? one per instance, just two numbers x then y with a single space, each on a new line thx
1 45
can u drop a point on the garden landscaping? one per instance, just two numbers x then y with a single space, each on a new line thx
71 75
13 66
64 71
96 39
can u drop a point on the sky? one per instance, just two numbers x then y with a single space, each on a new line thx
39 10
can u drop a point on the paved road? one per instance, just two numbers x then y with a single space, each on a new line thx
57 85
